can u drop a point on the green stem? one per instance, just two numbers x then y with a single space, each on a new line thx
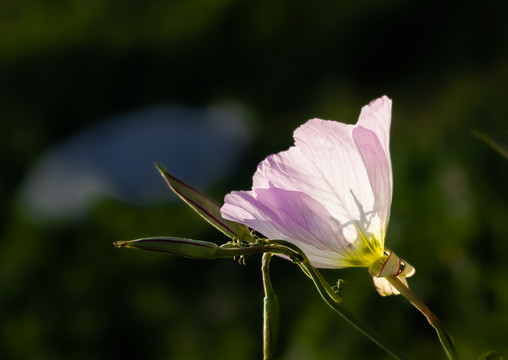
444 337
333 299
270 311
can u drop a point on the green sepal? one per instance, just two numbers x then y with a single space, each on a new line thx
195 249
209 209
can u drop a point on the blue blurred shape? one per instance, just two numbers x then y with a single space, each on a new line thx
116 159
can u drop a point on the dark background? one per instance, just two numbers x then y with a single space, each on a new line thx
66 66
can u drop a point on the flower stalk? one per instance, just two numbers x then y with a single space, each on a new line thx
444 337
270 311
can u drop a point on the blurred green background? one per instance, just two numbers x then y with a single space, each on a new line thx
68 66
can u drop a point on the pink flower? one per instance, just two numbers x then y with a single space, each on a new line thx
330 194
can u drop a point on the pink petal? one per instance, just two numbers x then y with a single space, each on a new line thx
292 216
379 172
326 165
377 117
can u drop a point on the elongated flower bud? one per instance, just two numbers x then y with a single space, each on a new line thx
196 249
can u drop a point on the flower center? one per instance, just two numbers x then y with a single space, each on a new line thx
365 250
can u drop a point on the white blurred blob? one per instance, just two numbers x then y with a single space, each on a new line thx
116 159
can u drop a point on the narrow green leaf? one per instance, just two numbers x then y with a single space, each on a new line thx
498 142
206 207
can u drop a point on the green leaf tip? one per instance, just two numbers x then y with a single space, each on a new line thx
496 141
207 208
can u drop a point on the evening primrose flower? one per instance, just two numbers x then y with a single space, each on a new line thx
330 195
